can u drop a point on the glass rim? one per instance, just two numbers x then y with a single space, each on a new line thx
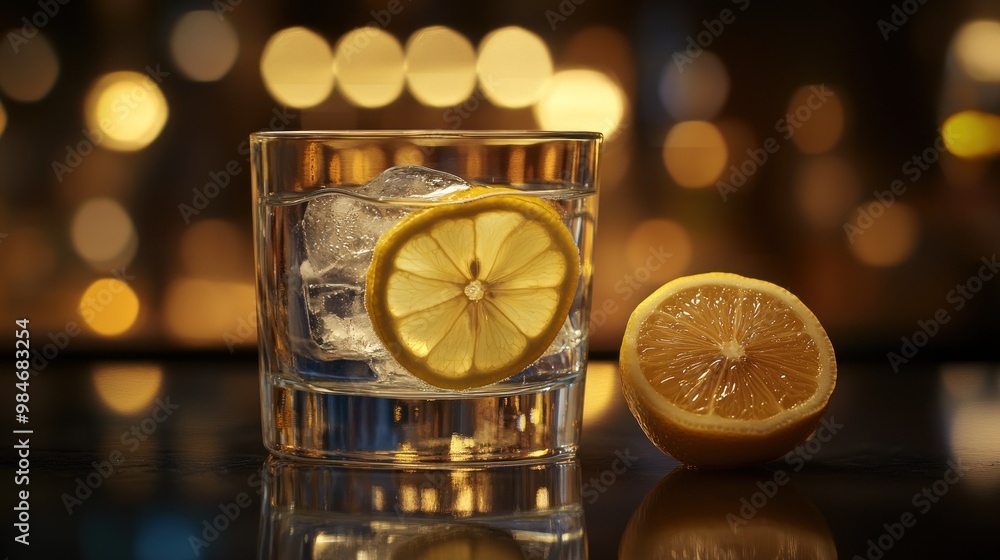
429 134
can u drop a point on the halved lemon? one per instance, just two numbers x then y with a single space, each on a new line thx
723 371
467 294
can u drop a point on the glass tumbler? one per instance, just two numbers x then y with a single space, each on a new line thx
395 267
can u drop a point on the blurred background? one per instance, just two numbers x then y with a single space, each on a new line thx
847 152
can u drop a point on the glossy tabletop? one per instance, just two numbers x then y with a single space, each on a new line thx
153 460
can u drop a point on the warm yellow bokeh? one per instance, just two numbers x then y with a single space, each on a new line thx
695 153
127 108
977 48
602 390
370 66
127 388
3 120
826 189
514 66
203 45
585 100
103 233
297 67
658 250
889 233
215 248
815 117
28 69
209 312
109 306
972 134
440 66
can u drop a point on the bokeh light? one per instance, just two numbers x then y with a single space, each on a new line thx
29 69
972 134
103 233
215 248
889 233
977 47
658 250
602 389
127 388
440 66
202 312
127 108
513 66
297 67
3 119
816 117
203 45
585 100
826 189
109 306
975 440
602 48
370 67
697 90
694 153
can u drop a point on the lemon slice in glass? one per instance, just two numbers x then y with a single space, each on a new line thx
469 293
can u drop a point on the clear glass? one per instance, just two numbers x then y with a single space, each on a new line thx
329 388
499 511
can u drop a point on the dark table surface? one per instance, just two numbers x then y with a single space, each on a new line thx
139 459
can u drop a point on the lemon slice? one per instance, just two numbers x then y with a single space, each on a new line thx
467 294
722 370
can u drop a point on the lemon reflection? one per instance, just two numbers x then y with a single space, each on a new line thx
693 514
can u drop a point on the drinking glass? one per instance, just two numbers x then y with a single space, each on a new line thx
330 387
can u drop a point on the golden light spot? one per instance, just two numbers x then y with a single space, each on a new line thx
3 119
370 67
697 90
440 66
514 66
816 117
585 100
408 497
109 306
542 498
297 67
658 250
29 69
694 153
964 382
408 155
602 390
215 248
826 189
429 500
127 388
203 45
103 233
977 47
128 108
890 236
199 311
972 134
463 505
976 441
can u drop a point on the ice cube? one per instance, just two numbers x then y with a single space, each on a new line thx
569 337
413 182
338 322
340 233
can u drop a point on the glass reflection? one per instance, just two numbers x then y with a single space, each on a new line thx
737 516
320 511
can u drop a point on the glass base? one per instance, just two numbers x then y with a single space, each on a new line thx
301 421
